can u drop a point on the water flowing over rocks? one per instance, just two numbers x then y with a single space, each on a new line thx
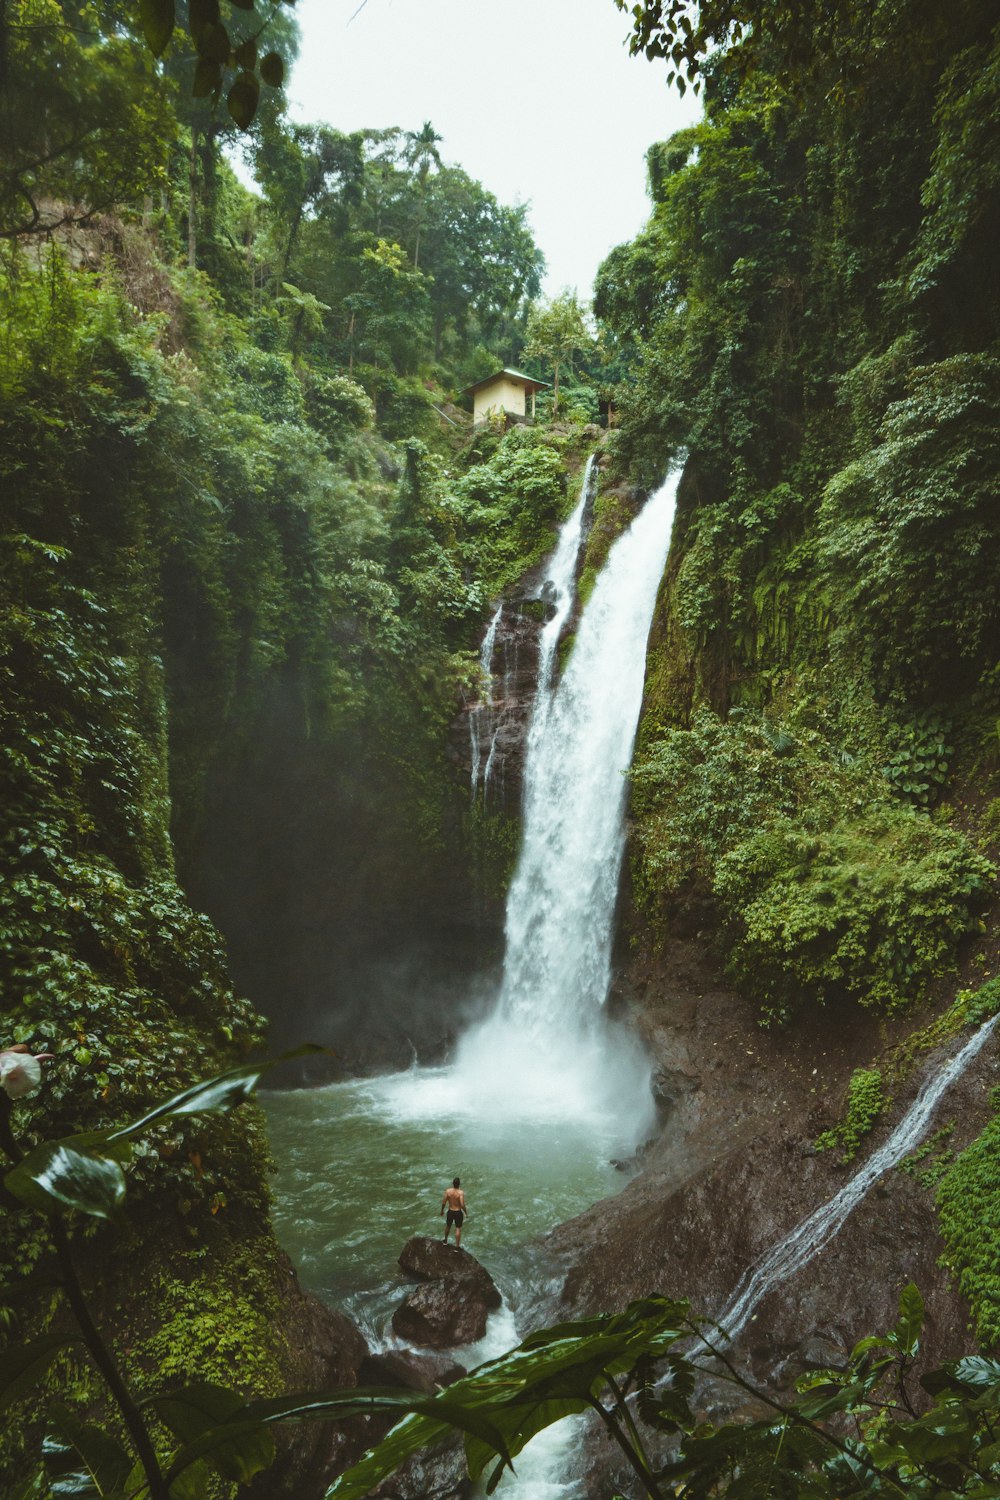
517 660
488 738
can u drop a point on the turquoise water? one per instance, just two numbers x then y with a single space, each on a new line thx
363 1165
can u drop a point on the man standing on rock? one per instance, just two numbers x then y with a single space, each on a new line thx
454 1201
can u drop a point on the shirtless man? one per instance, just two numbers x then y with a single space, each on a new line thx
454 1201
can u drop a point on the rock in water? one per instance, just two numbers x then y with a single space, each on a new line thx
440 1314
426 1259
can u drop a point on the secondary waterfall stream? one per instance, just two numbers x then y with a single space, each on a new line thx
546 1090
808 1237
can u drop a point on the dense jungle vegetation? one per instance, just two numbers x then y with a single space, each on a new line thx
248 544
247 553
811 321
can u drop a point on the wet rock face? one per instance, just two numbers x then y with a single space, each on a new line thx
489 734
329 1353
735 1170
454 1300
426 1259
437 1475
443 1314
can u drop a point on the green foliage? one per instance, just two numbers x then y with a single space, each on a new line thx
555 1373
85 125
556 332
919 768
220 54
931 1161
860 1430
337 406
613 513
826 886
968 1207
495 841
866 1101
910 530
509 505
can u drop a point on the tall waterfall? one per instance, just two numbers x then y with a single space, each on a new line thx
809 1237
548 1048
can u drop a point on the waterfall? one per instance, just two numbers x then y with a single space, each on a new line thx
548 1049
556 588
485 699
809 1237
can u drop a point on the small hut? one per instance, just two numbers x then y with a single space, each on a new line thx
507 391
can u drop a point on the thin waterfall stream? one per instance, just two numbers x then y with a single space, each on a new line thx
808 1238
544 1092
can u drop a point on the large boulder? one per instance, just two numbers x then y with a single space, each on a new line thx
426 1259
440 1314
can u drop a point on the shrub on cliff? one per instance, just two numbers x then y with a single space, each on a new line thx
509 506
826 883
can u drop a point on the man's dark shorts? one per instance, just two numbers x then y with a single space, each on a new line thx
455 1216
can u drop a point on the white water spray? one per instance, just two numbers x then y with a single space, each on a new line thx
809 1237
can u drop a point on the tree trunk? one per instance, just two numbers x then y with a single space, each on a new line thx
293 234
555 390
209 179
193 201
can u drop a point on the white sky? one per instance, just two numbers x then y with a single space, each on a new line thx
538 99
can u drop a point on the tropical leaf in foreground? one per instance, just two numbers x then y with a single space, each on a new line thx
556 1373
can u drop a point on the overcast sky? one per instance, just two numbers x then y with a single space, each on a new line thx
538 99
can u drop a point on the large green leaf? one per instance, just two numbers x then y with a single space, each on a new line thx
413 1435
553 1374
224 1092
240 1426
56 1175
975 1373
911 1320
157 18
201 1408
83 1171
82 1460
21 1368
243 98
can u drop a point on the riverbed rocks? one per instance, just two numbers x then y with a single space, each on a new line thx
453 1301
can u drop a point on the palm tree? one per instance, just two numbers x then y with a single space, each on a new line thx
421 152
